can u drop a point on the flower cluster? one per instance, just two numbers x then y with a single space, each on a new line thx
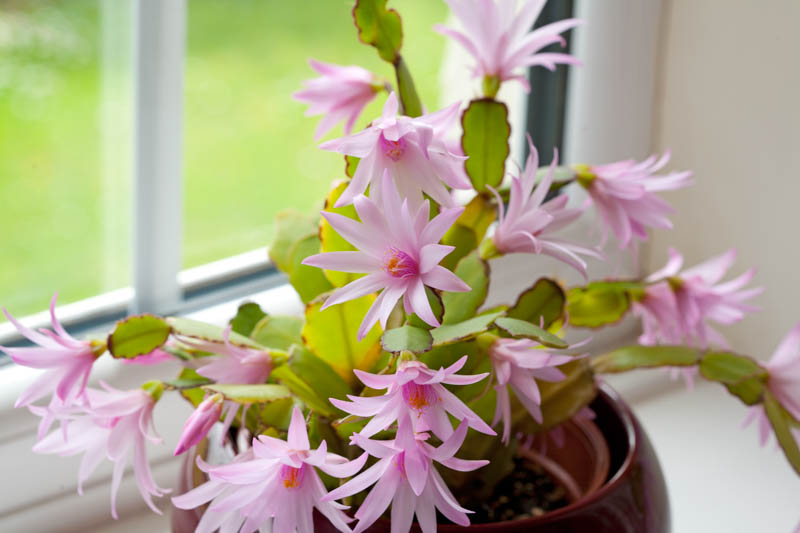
416 229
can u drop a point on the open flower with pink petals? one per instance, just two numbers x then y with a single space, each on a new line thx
412 150
67 361
275 485
110 424
677 306
417 393
526 225
700 298
236 364
624 194
340 93
500 39
405 477
517 364
400 252
784 384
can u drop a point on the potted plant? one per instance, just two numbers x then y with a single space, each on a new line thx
398 393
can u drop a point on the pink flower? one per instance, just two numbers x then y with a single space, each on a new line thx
658 309
199 422
699 297
517 363
677 307
526 225
398 250
500 39
417 393
624 195
340 93
783 383
237 365
407 479
276 481
67 361
784 373
110 425
412 150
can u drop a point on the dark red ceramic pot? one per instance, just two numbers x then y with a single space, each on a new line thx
631 498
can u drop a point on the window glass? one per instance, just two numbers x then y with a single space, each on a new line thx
64 150
249 151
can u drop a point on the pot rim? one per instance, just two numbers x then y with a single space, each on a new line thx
626 418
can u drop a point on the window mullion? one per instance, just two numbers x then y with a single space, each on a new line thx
159 52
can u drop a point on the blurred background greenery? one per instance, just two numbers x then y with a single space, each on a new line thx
65 130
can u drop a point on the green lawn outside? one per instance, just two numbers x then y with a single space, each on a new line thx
248 149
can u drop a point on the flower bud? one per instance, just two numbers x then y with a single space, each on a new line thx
199 423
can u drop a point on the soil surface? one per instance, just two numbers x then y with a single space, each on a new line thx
527 492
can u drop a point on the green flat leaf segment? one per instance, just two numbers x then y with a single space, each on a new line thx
417 340
600 303
459 306
520 328
543 302
331 334
412 106
302 390
485 142
330 240
633 357
290 227
247 316
741 375
278 331
449 333
296 237
209 332
781 423
247 394
379 27
137 335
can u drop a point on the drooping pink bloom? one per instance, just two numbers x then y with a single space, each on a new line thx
407 479
500 39
783 383
67 361
412 150
110 424
517 364
274 484
677 306
624 195
236 364
417 393
700 298
658 309
199 423
340 93
527 224
398 250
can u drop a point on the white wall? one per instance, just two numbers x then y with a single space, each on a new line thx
727 103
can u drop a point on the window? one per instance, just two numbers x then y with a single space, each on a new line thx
64 151
147 145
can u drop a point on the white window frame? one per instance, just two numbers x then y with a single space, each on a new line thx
158 284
